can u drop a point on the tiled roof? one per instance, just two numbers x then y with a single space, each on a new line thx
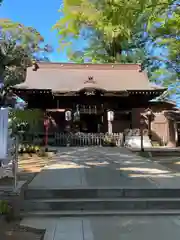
65 77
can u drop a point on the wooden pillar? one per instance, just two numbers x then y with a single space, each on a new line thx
136 114
102 122
57 104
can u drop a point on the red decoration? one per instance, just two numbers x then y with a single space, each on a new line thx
46 123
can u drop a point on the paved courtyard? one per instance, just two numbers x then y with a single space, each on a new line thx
106 228
105 168
94 167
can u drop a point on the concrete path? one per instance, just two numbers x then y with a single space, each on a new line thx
94 167
106 228
105 168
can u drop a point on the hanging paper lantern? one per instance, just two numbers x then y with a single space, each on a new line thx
110 115
68 116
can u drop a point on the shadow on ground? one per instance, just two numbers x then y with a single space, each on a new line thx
100 167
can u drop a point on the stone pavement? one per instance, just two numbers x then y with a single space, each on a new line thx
94 167
105 168
106 228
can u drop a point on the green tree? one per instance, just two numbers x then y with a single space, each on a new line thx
166 34
19 46
119 31
109 26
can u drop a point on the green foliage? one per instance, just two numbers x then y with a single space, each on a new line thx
109 27
7 210
19 45
33 118
28 148
126 32
109 141
4 207
167 35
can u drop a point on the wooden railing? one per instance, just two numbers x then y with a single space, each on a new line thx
88 139
74 139
80 138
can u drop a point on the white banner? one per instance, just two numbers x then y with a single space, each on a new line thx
3 133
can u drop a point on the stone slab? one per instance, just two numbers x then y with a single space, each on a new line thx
101 167
105 228
56 178
69 229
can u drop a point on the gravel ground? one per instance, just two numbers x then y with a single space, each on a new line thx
12 231
29 166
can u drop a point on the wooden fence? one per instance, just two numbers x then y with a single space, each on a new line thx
74 139
80 139
88 139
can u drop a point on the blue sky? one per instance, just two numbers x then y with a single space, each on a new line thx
40 14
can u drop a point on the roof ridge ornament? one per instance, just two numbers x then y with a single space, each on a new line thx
35 66
141 68
90 80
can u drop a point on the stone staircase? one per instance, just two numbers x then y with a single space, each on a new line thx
76 202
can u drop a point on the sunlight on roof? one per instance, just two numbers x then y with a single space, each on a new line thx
144 170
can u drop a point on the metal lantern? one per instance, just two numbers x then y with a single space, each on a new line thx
142 121
68 116
110 116
149 112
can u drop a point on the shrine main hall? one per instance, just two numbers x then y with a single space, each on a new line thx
100 98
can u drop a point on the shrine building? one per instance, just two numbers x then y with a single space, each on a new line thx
99 98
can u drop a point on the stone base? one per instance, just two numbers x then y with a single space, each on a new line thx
171 144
